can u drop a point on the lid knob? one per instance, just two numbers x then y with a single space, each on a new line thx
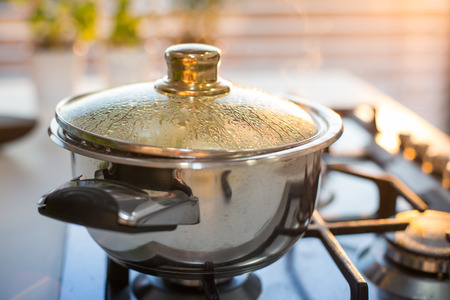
193 71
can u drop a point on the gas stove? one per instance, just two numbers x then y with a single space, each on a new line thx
381 230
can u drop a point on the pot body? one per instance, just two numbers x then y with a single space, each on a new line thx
251 213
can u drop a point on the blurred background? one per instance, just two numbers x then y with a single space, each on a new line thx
51 49
402 47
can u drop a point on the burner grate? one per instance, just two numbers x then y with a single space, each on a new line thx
389 189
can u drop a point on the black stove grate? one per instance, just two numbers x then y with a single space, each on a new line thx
389 189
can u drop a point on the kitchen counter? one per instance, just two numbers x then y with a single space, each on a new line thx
32 246
32 249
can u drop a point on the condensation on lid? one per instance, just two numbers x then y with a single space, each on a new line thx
242 119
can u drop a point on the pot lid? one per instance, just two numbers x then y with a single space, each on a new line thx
191 111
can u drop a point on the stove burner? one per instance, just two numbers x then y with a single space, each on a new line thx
411 264
423 246
146 287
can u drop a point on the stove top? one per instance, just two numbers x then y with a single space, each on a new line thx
341 255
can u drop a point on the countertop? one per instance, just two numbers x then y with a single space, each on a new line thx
32 246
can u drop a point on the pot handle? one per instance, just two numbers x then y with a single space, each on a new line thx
117 206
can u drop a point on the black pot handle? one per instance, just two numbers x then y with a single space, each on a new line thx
112 205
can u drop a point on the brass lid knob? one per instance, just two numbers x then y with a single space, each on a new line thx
192 71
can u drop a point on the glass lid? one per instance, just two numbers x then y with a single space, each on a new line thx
191 110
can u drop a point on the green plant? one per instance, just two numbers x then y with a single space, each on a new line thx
85 17
58 24
125 30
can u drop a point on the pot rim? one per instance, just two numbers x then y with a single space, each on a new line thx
329 125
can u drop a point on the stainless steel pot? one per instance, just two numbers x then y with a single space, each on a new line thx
186 212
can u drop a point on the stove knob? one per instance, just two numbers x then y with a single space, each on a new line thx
438 165
411 150
405 141
446 176
421 151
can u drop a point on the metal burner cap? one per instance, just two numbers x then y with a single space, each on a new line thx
424 245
